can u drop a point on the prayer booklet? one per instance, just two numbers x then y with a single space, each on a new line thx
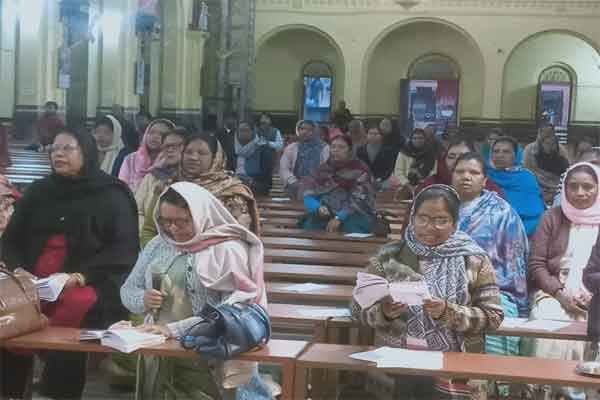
358 235
50 288
372 288
391 357
125 340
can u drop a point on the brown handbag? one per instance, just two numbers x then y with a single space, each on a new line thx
20 310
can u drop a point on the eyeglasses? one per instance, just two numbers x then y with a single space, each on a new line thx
65 148
422 221
179 223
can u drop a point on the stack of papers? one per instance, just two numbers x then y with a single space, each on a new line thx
535 325
50 288
306 287
390 357
124 340
372 288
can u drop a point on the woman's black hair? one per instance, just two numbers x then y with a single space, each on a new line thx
472 156
173 197
178 131
457 141
443 192
417 131
209 138
307 122
582 168
507 139
345 138
89 151
105 121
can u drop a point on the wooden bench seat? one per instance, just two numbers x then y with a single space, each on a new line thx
283 352
319 245
456 365
310 273
268 231
316 257
328 294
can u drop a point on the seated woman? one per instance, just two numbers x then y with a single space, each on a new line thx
520 187
111 148
560 250
415 162
547 160
379 156
136 165
496 227
460 278
204 257
302 158
203 163
340 196
446 163
82 222
255 160
171 148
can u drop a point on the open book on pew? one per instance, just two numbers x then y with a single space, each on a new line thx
51 287
126 340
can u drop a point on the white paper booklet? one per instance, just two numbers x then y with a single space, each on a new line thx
50 288
125 340
372 288
390 357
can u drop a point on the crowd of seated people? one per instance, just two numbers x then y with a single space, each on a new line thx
183 203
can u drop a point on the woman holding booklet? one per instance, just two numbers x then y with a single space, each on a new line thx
465 298
201 256
560 250
82 222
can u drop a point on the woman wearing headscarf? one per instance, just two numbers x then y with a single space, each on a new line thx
80 221
520 187
378 155
547 160
496 227
415 162
136 165
340 196
460 278
446 163
111 149
203 163
204 257
560 250
302 158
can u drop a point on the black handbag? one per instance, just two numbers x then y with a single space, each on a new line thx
228 330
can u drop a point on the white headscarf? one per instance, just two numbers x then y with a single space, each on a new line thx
217 264
111 152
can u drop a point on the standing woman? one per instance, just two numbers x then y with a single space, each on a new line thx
80 221
465 299
138 164
109 140
203 163
340 196
560 250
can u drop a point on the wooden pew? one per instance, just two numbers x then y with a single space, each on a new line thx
337 295
316 257
456 365
310 273
268 231
282 352
291 243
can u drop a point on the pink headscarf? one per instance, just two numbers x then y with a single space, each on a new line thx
589 216
217 267
142 162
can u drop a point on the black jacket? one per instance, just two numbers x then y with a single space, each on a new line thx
227 140
98 217
383 165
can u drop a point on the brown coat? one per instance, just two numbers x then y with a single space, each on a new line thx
548 246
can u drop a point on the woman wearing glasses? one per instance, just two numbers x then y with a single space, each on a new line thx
80 221
201 255
465 298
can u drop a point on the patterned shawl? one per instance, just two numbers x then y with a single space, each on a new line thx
309 154
497 228
346 185
444 270
222 184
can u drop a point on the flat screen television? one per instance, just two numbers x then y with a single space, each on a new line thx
430 102
554 103
316 99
